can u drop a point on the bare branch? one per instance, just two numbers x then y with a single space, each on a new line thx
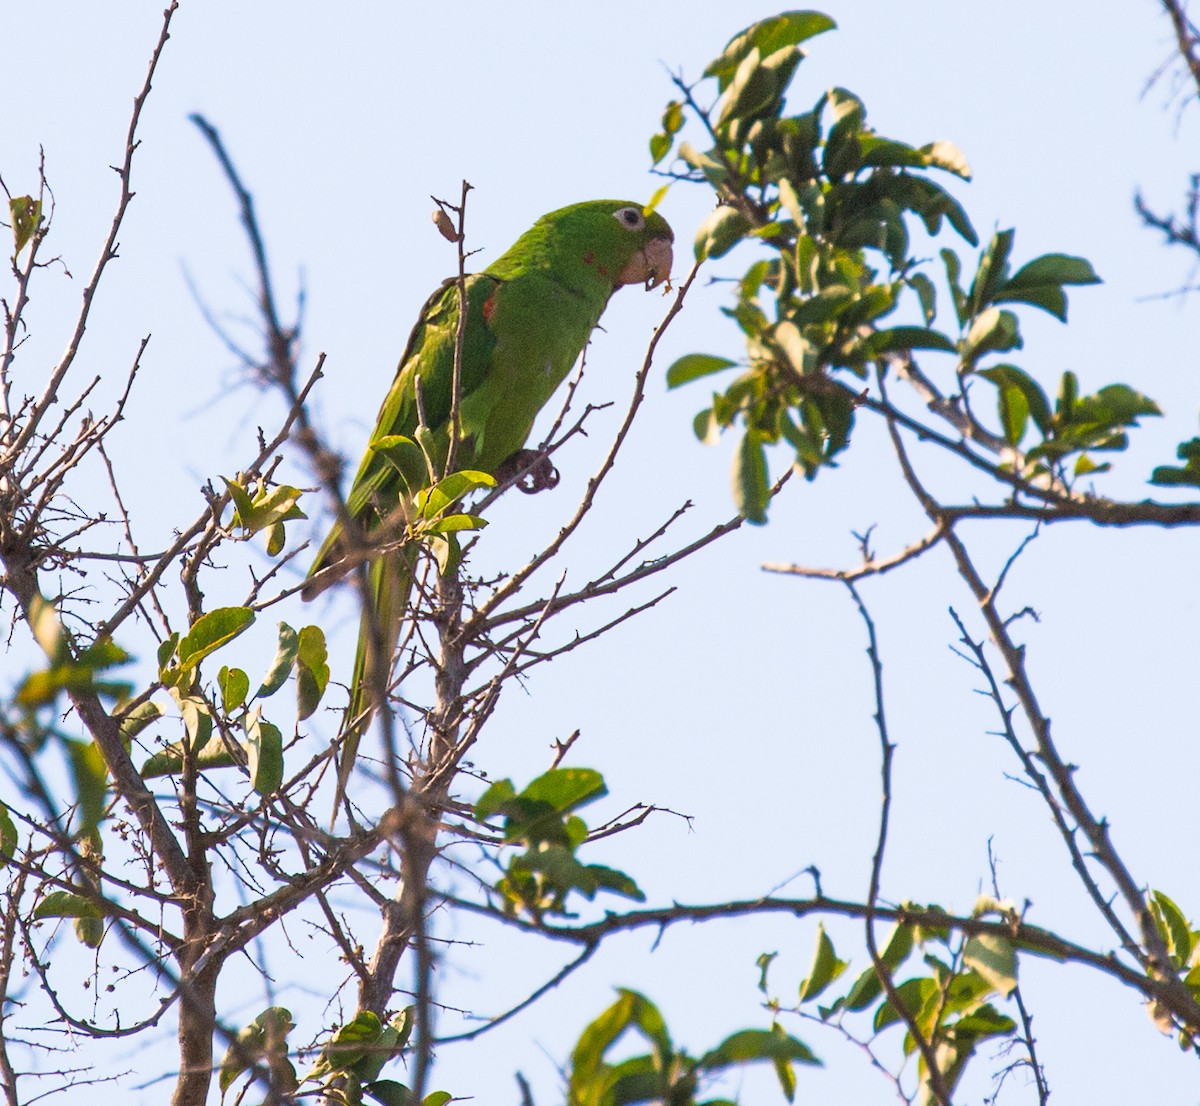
107 253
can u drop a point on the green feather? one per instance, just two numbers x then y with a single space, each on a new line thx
529 316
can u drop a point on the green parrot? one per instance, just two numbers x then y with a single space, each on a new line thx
529 316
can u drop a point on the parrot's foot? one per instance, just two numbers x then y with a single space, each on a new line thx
532 470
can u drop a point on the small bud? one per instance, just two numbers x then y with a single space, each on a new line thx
445 227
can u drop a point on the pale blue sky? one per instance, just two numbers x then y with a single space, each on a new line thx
743 700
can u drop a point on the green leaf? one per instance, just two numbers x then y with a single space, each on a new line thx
843 154
275 504
751 489
210 632
715 171
73 674
823 307
693 366
166 653
235 686
1040 283
1121 404
984 1022
994 331
993 958
132 722
445 493
767 36
243 501
264 754
264 1039
1189 474
388 1092
1173 926
566 789
1068 394
756 92
587 1058
909 338
672 120
763 963
453 524
1014 413
89 774
266 509
802 355
1085 466
660 146
406 457
26 215
926 293
447 553
348 1046
1049 297
649 1021
720 232
915 995
787 1078
494 798
642 1080
197 720
282 665
656 197
614 882
826 967
8 836
1055 268
992 272
66 904
867 988
46 627
757 1044
933 203
953 273
90 931
879 152
706 427
169 762
752 1045
384 1048
312 670
1009 376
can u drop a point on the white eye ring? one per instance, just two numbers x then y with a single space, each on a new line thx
631 218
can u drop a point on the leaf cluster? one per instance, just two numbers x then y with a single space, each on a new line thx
540 821
829 206
665 1073
949 999
209 719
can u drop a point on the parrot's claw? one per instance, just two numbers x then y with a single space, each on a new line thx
532 471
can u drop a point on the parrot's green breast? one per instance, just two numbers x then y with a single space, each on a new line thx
539 328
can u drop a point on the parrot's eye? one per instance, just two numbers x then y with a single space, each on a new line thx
630 217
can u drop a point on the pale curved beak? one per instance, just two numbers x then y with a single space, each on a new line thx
650 266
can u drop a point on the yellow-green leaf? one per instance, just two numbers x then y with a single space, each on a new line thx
26 214
210 632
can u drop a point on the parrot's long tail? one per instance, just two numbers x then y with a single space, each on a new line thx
390 581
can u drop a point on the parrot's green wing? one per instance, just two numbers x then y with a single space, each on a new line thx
528 317
384 483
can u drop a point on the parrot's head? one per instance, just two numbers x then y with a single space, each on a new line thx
597 243
650 262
